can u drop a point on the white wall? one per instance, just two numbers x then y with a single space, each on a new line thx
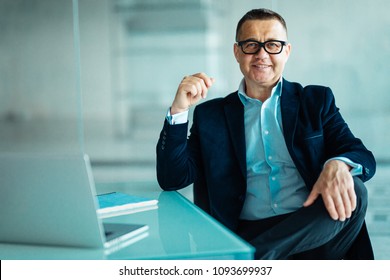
37 66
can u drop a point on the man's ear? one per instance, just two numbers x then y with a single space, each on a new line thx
236 50
288 51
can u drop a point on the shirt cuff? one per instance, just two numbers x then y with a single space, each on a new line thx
178 118
357 169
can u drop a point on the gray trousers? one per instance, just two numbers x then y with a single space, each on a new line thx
308 233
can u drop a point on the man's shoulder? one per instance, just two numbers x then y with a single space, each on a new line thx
304 88
306 91
314 97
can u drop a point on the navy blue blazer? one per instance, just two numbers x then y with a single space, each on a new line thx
214 157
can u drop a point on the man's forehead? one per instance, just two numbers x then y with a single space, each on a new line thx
270 28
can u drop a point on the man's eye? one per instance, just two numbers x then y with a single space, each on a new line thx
273 45
251 45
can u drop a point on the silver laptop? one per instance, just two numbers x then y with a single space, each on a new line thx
51 200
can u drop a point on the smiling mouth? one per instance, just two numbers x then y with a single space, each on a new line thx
261 66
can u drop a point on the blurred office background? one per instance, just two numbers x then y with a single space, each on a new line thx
97 76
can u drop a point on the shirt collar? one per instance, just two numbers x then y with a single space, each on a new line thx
276 91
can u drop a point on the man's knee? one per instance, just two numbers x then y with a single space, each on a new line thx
361 195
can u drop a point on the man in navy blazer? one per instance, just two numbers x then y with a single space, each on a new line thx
274 161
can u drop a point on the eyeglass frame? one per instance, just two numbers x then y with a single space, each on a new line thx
262 45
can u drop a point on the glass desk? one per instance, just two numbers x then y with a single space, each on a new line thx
177 230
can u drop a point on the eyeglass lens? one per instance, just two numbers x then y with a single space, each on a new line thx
252 47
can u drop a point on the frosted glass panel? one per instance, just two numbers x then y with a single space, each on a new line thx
39 108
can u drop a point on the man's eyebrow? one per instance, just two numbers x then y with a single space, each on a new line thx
250 39
268 39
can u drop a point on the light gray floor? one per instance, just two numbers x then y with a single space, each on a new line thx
378 215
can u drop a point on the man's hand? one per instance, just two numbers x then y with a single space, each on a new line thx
190 91
335 185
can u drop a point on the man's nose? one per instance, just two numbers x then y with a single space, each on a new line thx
262 53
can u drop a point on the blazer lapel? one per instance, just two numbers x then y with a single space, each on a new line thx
289 106
234 113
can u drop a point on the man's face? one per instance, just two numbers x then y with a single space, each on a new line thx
262 69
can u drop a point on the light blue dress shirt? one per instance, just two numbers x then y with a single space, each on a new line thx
274 185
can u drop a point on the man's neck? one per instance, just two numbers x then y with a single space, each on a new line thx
259 92
262 94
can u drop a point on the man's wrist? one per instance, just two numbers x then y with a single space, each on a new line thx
178 118
338 164
174 110
354 168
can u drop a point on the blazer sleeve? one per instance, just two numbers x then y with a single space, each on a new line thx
315 131
175 168
340 141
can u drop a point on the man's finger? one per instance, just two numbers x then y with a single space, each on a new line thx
207 80
347 205
340 208
330 206
352 197
311 198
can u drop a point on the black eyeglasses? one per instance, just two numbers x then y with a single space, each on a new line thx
252 46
